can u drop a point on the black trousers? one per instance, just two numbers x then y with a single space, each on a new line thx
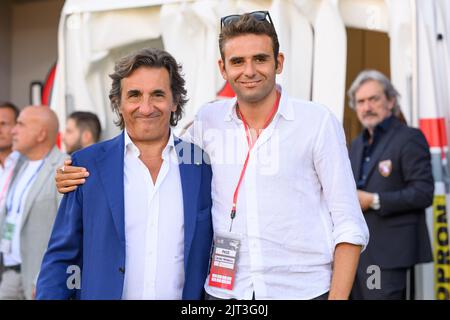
396 284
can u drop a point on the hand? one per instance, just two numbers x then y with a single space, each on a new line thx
365 199
71 177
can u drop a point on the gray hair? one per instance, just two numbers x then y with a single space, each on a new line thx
368 75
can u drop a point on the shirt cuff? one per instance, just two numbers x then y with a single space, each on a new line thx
357 240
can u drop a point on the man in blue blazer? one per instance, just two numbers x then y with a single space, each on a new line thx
140 227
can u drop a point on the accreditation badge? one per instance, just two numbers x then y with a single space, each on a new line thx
7 234
224 260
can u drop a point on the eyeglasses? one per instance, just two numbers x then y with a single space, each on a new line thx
257 15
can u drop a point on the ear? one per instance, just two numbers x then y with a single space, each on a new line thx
391 103
86 138
42 135
221 64
280 60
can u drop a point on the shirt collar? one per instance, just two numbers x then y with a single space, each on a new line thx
131 147
285 108
11 159
382 127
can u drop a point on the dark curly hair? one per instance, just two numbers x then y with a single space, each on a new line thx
153 58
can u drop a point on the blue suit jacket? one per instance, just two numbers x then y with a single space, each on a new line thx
89 228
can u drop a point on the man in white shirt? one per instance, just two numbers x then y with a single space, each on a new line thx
286 216
296 210
8 158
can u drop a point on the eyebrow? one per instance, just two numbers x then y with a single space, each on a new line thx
371 97
133 92
264 56
158 91
139 92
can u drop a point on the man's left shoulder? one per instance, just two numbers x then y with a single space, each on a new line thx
305 108
410 132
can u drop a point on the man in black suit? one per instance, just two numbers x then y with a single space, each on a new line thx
392 168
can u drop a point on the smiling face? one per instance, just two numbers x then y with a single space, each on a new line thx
146 104
372 105
249 67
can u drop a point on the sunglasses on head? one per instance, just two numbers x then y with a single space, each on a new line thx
257 15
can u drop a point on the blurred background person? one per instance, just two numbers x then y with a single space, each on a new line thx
391 164
31 202
82 129
8 158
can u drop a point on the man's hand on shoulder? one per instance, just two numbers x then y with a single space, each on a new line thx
68 177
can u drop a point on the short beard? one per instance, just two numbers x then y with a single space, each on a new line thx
6 148
77 146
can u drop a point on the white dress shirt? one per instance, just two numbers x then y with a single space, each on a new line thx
16 200
154 227
297 200
6 172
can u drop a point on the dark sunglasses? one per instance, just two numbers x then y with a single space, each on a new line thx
258 15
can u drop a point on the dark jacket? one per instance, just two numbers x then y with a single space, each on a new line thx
398 231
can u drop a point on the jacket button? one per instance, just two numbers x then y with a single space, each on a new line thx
122 270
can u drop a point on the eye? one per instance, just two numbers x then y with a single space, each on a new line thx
374 98
235 62
133 94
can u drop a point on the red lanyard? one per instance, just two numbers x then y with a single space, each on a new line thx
251 144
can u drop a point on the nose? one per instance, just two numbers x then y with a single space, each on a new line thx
250 70
364 106
14 130
147 106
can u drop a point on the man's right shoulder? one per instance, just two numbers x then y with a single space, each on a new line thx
91 152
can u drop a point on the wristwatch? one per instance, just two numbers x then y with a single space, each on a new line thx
375 205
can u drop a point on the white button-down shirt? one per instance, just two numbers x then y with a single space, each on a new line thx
154 227
297 200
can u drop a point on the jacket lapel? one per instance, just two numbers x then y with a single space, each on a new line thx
356 157
381 146
110 168
46 171
190 185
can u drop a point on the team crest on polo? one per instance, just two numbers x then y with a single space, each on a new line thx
385 168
